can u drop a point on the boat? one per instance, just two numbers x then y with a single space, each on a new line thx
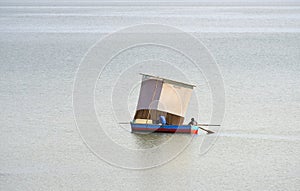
162 106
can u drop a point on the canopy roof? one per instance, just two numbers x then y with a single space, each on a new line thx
164 95
147 76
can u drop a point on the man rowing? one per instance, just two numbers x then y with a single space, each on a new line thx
193 122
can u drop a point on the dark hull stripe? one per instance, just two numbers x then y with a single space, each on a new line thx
164 130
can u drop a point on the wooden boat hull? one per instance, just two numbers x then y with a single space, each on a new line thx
135 128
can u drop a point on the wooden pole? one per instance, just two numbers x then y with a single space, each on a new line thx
207 125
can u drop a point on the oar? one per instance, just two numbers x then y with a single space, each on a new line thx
208 131
207 125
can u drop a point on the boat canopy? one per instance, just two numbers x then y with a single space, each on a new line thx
163 97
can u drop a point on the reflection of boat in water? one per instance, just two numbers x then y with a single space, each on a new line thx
162 106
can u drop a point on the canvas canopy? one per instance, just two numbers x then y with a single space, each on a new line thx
163 95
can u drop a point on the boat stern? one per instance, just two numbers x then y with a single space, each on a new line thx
194 129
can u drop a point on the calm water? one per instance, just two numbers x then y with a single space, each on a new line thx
256 48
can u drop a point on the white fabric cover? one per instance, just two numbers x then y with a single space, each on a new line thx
169 96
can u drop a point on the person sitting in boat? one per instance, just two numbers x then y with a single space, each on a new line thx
193 122
162 120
